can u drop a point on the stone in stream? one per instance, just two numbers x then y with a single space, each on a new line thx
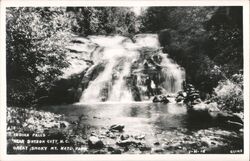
196 101
124 137
156 143
95 143
116 151
111 135
158 150
160 98
110 148
182 94
100 152
213 107
179 98
238 117
140 137
64 124
144 148
117 128
128 142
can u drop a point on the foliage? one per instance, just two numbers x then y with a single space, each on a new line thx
155 19
34 50
229 94
226 47
104 20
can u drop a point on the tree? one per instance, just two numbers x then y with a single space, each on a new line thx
35 53
104 20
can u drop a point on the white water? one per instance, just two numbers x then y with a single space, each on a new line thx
119 91
173 74
119 53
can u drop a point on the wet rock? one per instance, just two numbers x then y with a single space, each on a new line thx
238 117
112 136
63 124
100 152
161 99
235 124
158 150
124 137
126 143
95 117
194 94
95 143
179 98
117 128
156 143
140 137
110 148
116 151
180 93
196 101
144 148
213 107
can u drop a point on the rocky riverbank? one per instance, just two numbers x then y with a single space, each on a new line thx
112 139
208 108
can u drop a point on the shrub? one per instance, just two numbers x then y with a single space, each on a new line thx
229 94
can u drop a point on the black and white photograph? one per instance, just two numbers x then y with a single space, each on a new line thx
115 80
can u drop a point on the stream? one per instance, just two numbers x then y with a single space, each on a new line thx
163 128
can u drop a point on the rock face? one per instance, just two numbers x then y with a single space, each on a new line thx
161 99
68 88
95 143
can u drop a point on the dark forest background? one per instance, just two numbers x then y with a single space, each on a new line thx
206 41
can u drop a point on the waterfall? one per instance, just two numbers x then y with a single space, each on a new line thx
173 74
92 93
125 69
120 91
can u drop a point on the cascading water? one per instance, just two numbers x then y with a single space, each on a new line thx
127 66
119 91
173 74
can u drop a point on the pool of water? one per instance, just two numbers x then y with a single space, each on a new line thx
169 124
137 117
